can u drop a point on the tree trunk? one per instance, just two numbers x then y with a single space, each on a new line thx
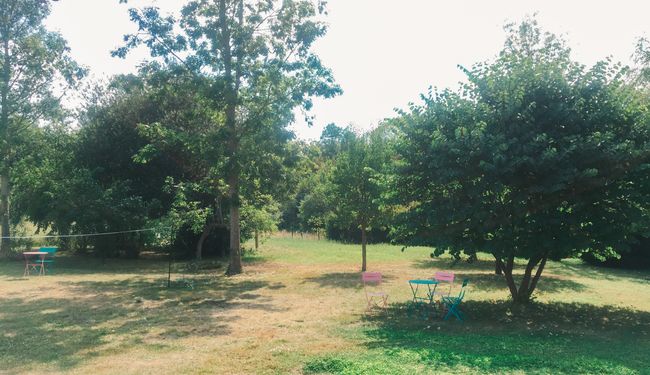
506 268
5 244
363 248
235 266
231 100
528 283
257 239
497 269
524 292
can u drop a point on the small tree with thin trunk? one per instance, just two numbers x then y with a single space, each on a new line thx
356 184
536 158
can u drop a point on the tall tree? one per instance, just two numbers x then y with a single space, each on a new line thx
35 70
259 53
536 158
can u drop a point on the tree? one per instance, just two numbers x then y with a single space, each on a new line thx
536 158
35 70
356 183
130 112
259 216
642 59
316 206
331 140
79 181
181 135
258 53
300 164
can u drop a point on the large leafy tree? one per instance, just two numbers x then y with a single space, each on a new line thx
35 70
182 136
536 158
357 183
86 179
259 55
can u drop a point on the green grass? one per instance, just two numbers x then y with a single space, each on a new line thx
312 252
544 339
299 307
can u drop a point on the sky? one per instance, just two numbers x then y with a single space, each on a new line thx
385 53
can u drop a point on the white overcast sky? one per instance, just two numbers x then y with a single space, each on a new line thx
384 53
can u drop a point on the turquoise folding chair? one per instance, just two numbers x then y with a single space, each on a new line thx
48 260
451 303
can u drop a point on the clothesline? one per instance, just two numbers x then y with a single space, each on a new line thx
81 235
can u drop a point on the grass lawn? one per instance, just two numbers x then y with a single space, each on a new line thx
299 308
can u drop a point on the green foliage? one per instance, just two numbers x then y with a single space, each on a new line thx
260 215
258 55
304 168
357 179
315 208
313 204
87 181
642 59
332 140
537 157
356 183
35 68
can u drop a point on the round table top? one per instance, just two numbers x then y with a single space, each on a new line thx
423 281
35 252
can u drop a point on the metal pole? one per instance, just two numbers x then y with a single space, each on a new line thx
169 256
169 271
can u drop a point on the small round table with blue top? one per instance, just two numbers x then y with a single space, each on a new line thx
423 292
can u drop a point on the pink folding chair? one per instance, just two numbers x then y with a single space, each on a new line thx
445 277
374 297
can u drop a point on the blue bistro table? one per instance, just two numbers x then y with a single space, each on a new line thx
423 291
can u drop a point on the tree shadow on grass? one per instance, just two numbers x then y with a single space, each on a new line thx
99 317
492 282
344 280
569 267
86 265
500 337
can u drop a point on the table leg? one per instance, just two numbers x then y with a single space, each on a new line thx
414 291
432 294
